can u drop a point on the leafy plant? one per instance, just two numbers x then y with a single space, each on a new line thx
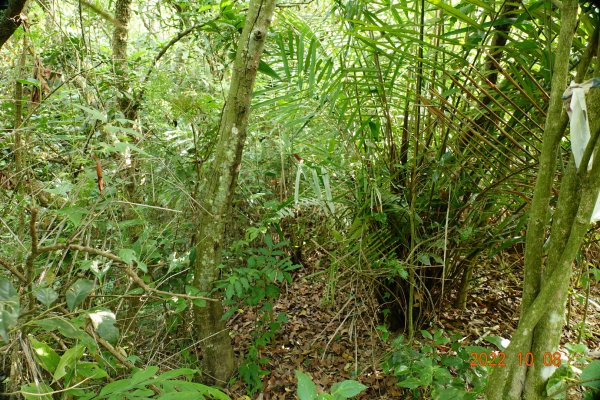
307 390
568 375
142 384
428 373
256 284
251 370
9 308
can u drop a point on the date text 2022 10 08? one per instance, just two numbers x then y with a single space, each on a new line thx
498 359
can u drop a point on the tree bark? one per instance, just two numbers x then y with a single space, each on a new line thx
11 20
220 182
119 49
546 284
578 195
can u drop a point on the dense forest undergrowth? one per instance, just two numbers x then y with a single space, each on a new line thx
316 200
342 339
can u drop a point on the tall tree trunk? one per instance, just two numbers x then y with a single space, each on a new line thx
547 278
119 50
125 98
220 183
10 19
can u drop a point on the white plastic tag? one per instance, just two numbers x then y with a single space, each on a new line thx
580 129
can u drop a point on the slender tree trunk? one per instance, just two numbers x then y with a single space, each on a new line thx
578 193
546 283
125 98
220 183
119 49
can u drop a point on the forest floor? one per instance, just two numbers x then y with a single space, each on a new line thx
334 340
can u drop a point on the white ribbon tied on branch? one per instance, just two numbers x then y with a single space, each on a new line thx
574 99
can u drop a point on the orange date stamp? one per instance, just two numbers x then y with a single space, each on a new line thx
498 359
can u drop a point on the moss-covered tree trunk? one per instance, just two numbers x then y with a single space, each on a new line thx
119 48
547 278
217 192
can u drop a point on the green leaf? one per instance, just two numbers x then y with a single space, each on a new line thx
346 389
66 328
264 68
78 292
45 295
9 308
94 114
590 376
68 360
306 388
128 255
410 383
557 384
455 12
424 258
45 355
144 375
272 291
497 340
90 370
142 266
29 81
120 386
33 391
188 395
62 189
176 373
104 324
74 214
426 334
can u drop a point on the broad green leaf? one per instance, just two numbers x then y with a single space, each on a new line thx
590 376
143 375
78 292
94 114
178 386
142 266
33 391
90 370
74 214
45 295
29 81
65 328
188 395
44 354
68 360
9 308
61 189
346 389
306 388
497 340
557 384
7 291
426 334
127 255
325 396
120 386
104 324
